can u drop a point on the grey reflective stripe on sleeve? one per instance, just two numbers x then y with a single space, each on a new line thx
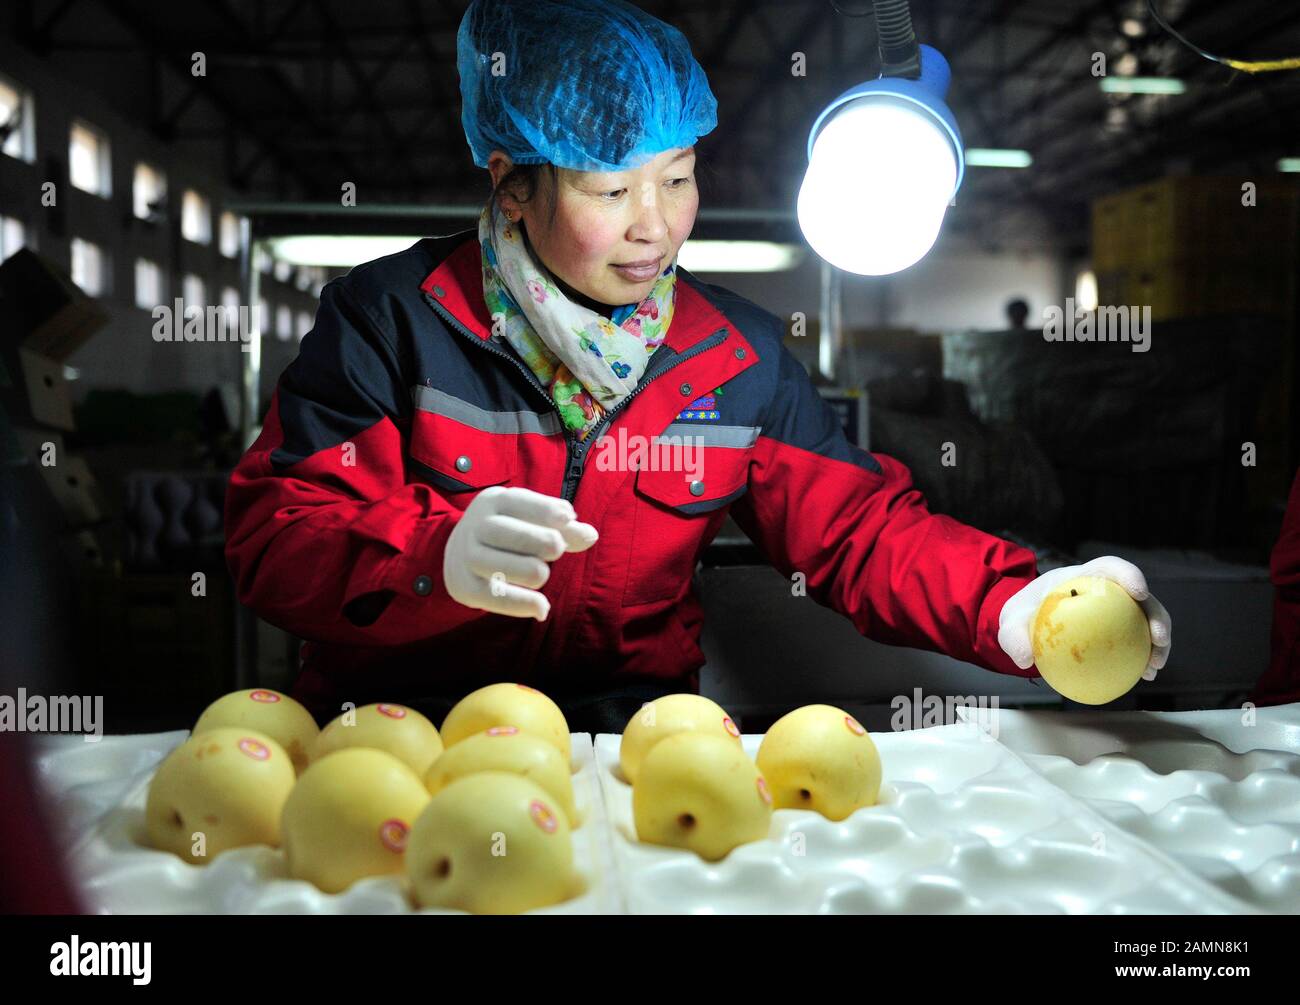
430 399
706 434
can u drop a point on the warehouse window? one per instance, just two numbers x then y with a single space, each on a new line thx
149 192
89 163
304 323
283 323
1085 290
89 267
283 270
263 319
229 234
17 121
193 291
230 310
13 235
148 284
196 218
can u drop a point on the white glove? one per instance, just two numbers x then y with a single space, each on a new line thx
1016 620
497 554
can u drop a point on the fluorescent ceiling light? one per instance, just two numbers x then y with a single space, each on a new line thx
1142 85
986 157
341 251
738 256
1289 164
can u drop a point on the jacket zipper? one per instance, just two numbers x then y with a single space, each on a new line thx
575 449
575 470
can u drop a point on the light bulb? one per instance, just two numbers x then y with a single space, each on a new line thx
878 183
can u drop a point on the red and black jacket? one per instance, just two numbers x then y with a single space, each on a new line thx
401 405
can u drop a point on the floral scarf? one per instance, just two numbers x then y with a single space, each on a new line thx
587 362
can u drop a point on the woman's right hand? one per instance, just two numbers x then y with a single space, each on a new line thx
497 556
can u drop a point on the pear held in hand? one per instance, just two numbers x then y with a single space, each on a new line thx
1091 640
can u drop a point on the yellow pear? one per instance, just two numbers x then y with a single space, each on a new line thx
1091 640
507 748
508 705
222 789
349 817
491 843
700 792
820 758
270 712
395 729
673 713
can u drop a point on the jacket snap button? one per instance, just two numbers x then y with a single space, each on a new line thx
438 291
697 488
740 352
685 389
463 463
423 585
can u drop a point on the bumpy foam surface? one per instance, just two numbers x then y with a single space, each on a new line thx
1091 812
963 825
99 791
1216 791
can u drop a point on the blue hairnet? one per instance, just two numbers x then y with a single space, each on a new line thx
590 85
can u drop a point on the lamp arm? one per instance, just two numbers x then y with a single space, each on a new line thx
899 55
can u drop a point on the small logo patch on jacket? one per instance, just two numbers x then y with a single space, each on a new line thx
704 407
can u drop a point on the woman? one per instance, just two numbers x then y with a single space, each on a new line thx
423 504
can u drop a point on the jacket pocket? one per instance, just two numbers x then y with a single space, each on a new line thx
677 511
459 447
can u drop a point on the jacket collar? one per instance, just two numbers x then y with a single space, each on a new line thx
457 284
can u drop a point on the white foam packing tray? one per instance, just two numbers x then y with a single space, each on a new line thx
963 826
1091 812
1217 793
99 792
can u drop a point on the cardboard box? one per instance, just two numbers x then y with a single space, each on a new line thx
45 397
69 479
74 489
82 550
1190 248
43 310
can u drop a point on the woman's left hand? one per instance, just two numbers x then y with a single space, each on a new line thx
1016 621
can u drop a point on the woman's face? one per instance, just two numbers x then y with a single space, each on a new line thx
607 221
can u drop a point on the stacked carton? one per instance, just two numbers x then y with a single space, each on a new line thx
44 319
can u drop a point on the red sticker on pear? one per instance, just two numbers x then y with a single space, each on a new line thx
542 816
254 749
392 835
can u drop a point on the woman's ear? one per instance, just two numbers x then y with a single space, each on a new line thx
499 165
